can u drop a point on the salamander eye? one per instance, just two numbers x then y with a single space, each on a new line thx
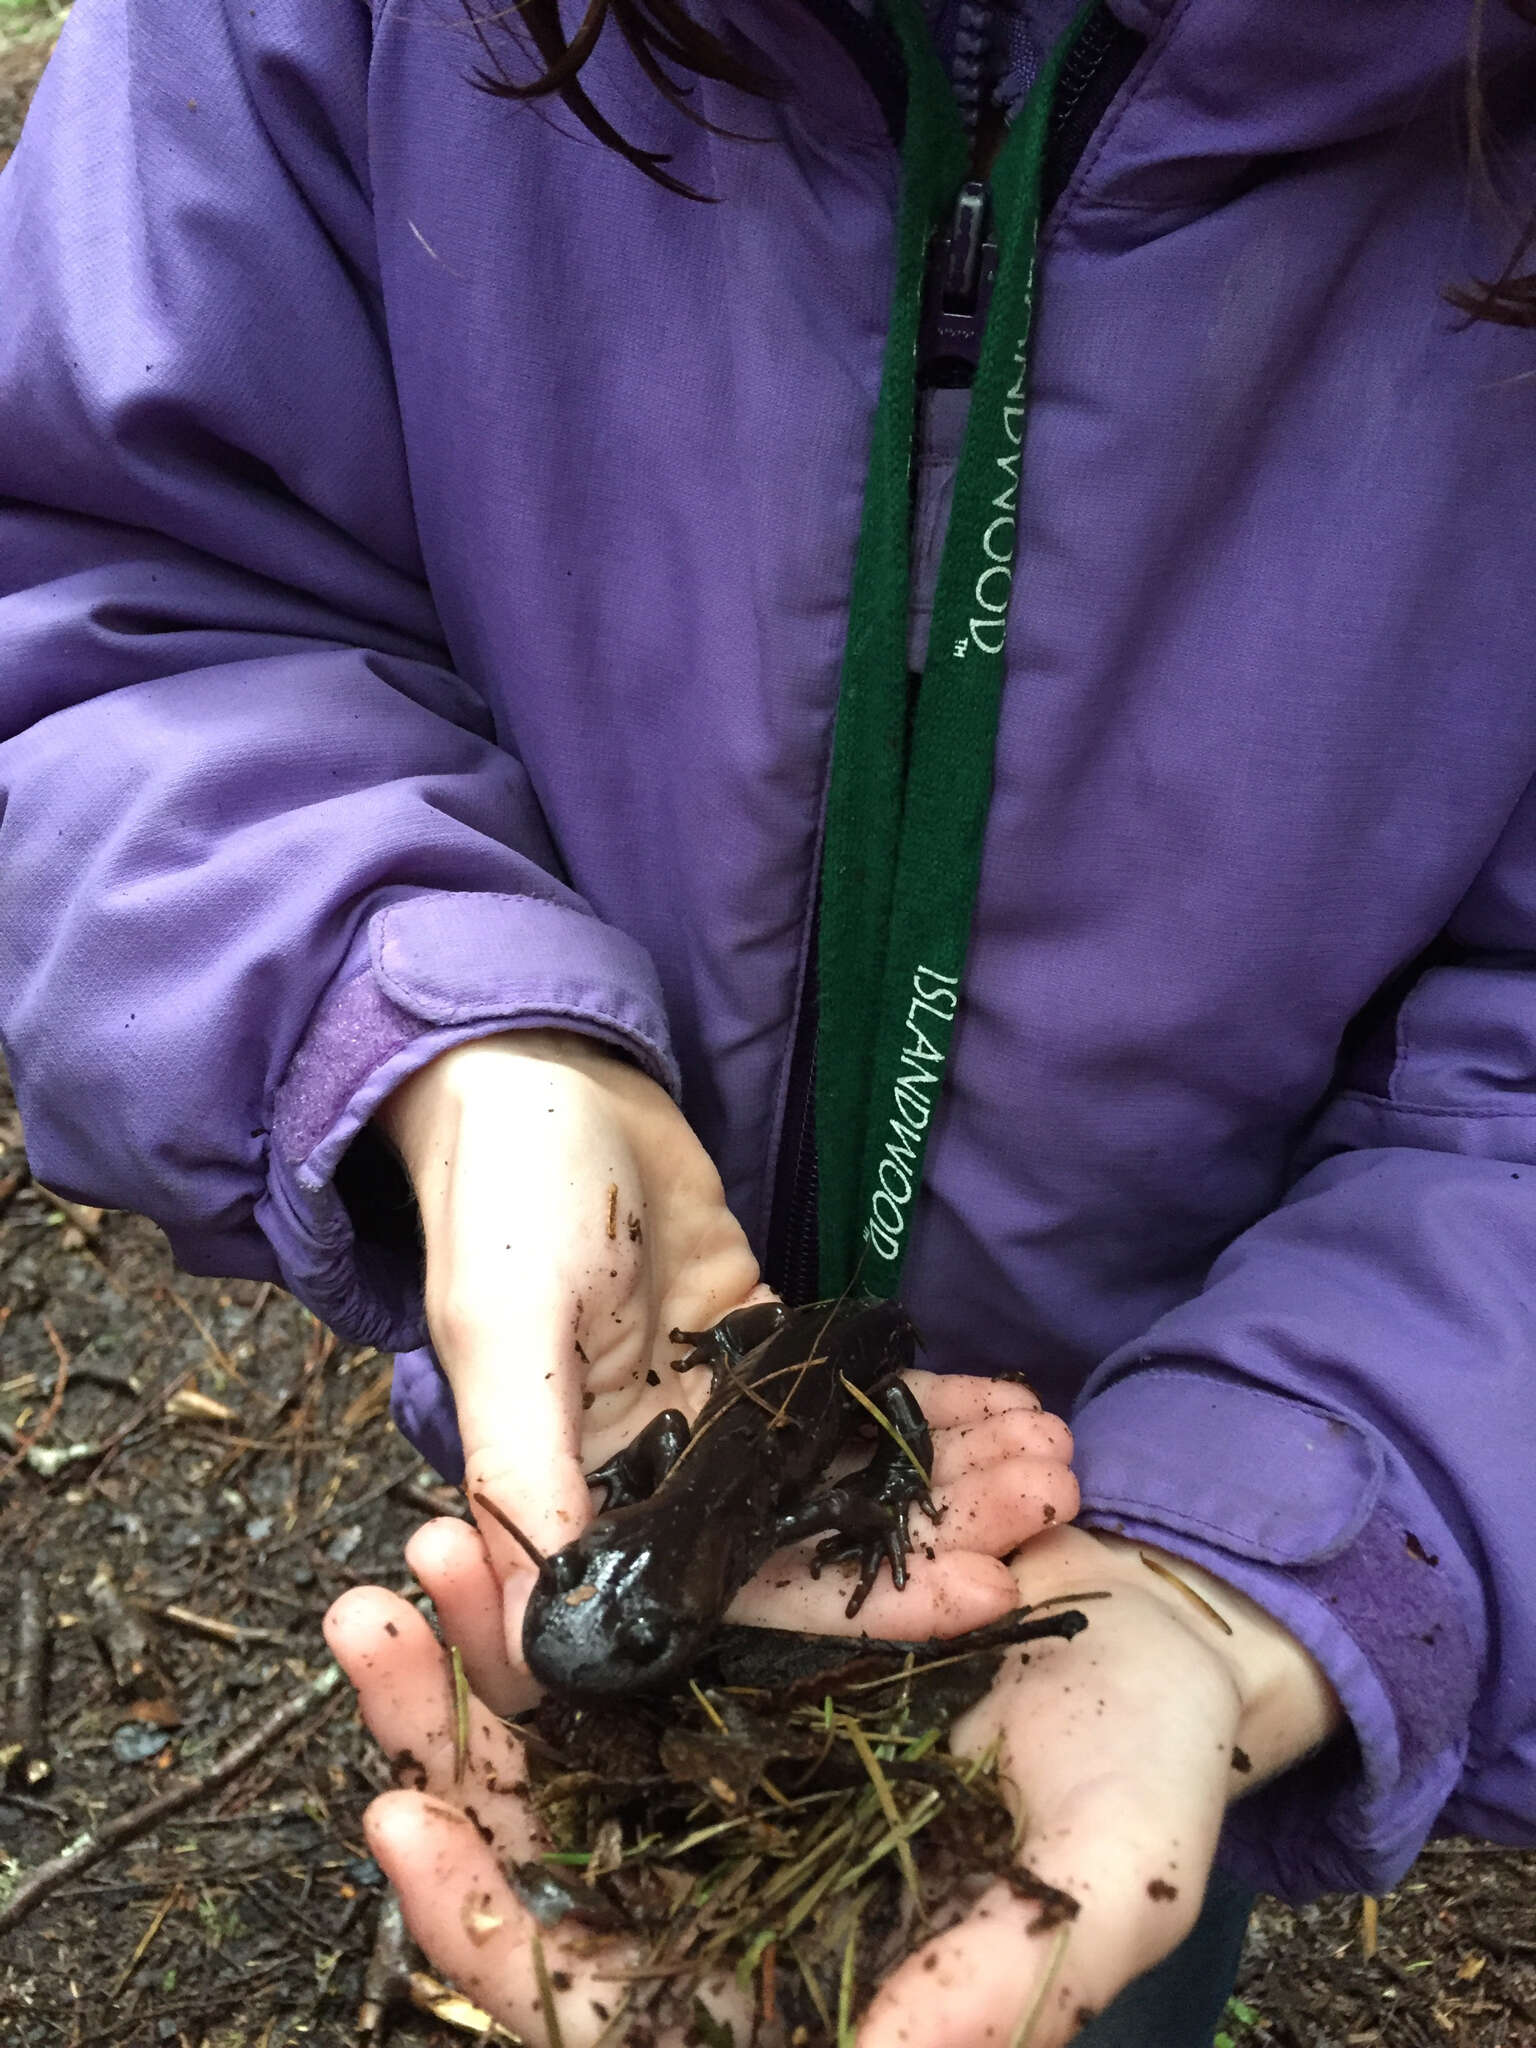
641 1638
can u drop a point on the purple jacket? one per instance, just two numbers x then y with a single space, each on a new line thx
424 557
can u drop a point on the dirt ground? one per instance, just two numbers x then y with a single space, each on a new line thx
190 1471
207 1469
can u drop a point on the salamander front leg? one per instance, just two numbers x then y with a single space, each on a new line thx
868 1512
862 1528
901 1470
728 1341
635 1472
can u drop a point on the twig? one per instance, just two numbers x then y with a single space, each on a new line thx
91 1848
172 1898
220 1356
26 1745
388 1976
221 1631
146 1411
26 1443
25 1804
46 1460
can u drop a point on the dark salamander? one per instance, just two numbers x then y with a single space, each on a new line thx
689 1518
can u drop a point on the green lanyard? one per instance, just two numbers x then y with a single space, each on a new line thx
911 783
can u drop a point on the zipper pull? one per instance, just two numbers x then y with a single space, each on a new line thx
962 269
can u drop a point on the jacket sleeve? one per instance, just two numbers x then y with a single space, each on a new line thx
1343 1423
260 852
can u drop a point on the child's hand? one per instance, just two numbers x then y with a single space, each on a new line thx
572 1220
1125 1747
1000 1475
446 1842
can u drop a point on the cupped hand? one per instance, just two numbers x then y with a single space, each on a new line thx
1123 1748
447 1837
572 1221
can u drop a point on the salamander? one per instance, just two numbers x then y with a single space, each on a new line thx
690 1515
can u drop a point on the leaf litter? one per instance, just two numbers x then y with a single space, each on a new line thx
792 1819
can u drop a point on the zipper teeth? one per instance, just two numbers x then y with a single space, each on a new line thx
801 1257
975 33
1081 63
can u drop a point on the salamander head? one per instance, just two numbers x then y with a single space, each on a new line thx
620 1610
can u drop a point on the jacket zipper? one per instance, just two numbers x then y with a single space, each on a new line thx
961 270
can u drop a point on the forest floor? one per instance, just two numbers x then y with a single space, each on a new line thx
190 1471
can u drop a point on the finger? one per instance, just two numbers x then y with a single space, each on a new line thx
996 1509
944 1596
460 1908
404 1688
961 1447
518 1390
960 1397
449 1558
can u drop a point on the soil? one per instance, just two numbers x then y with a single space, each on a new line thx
246 1921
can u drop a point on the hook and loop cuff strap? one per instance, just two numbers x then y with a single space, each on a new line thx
1317 1520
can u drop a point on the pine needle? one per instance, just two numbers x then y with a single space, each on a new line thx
890 1429
1024 2031
552 2034
710 1710
845 2034
1161 1570
888 1807
812 1988
460 1715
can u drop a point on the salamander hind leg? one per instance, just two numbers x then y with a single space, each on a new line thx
634 1473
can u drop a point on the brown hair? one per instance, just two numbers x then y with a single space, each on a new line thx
1510 298
657 32
661 32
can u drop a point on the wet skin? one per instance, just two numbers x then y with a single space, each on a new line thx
630 1605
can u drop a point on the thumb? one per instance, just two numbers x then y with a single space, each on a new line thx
518 1390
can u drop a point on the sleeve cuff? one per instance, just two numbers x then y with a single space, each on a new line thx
429 972
1318 1521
